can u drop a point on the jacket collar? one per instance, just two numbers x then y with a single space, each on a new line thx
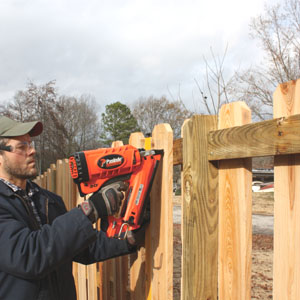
5 190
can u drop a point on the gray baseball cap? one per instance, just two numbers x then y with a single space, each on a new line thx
11 128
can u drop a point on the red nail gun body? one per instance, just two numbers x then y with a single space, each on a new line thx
93 169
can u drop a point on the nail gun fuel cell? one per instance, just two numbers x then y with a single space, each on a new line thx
137 200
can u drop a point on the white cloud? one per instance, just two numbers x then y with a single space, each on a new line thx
119 50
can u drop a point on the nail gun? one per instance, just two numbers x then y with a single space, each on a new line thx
94 169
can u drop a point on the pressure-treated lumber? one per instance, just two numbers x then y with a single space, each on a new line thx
274 137
199 212
137 260
235 217
159 236
177 152
51 178
286 270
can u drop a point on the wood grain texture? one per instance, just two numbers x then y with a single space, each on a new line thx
159 235
92 282
199 212
177 152
235 214
274 137
286 270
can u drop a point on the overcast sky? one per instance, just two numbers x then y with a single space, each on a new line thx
118 50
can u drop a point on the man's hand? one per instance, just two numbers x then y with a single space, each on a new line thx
136 238
106 201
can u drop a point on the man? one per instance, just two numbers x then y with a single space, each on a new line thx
39 239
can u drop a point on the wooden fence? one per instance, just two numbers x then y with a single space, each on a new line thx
149 273
215 154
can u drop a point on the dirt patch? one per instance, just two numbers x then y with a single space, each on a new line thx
263 203
262 267
262 252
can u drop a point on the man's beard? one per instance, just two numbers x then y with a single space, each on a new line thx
18 172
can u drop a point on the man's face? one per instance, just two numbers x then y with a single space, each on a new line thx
20 163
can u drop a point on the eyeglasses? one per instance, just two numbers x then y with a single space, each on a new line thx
22 147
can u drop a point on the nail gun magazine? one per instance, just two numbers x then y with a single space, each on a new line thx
94 169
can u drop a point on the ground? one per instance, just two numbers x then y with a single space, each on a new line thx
262 252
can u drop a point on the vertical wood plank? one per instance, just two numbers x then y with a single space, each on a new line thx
235 214
63 181
51 178
199 212
92 282
117 144
286 269
137 260
59 178
79 270
159 237
82 282
44 180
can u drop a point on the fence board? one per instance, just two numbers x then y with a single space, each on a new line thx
92 282
51 178
59 178
273 137
286 269
199 212
177 152
82 282
137 260
235 215
159 236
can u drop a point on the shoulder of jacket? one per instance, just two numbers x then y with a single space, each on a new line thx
5 190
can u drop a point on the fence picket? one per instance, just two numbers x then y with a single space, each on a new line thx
159 236
286 269
235 214
137 260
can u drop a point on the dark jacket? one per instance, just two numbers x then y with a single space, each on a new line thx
36 263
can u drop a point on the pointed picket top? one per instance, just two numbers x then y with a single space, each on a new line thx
159 238
137 140
235 219
284 97
286 268
234 114
116 144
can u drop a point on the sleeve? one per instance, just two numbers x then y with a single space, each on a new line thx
104 248
33 254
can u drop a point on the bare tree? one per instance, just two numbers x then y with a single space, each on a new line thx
214 86
278 33
151 111
81 124
70 124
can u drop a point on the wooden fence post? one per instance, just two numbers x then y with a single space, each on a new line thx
199 212
159 236
286 269
235 214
